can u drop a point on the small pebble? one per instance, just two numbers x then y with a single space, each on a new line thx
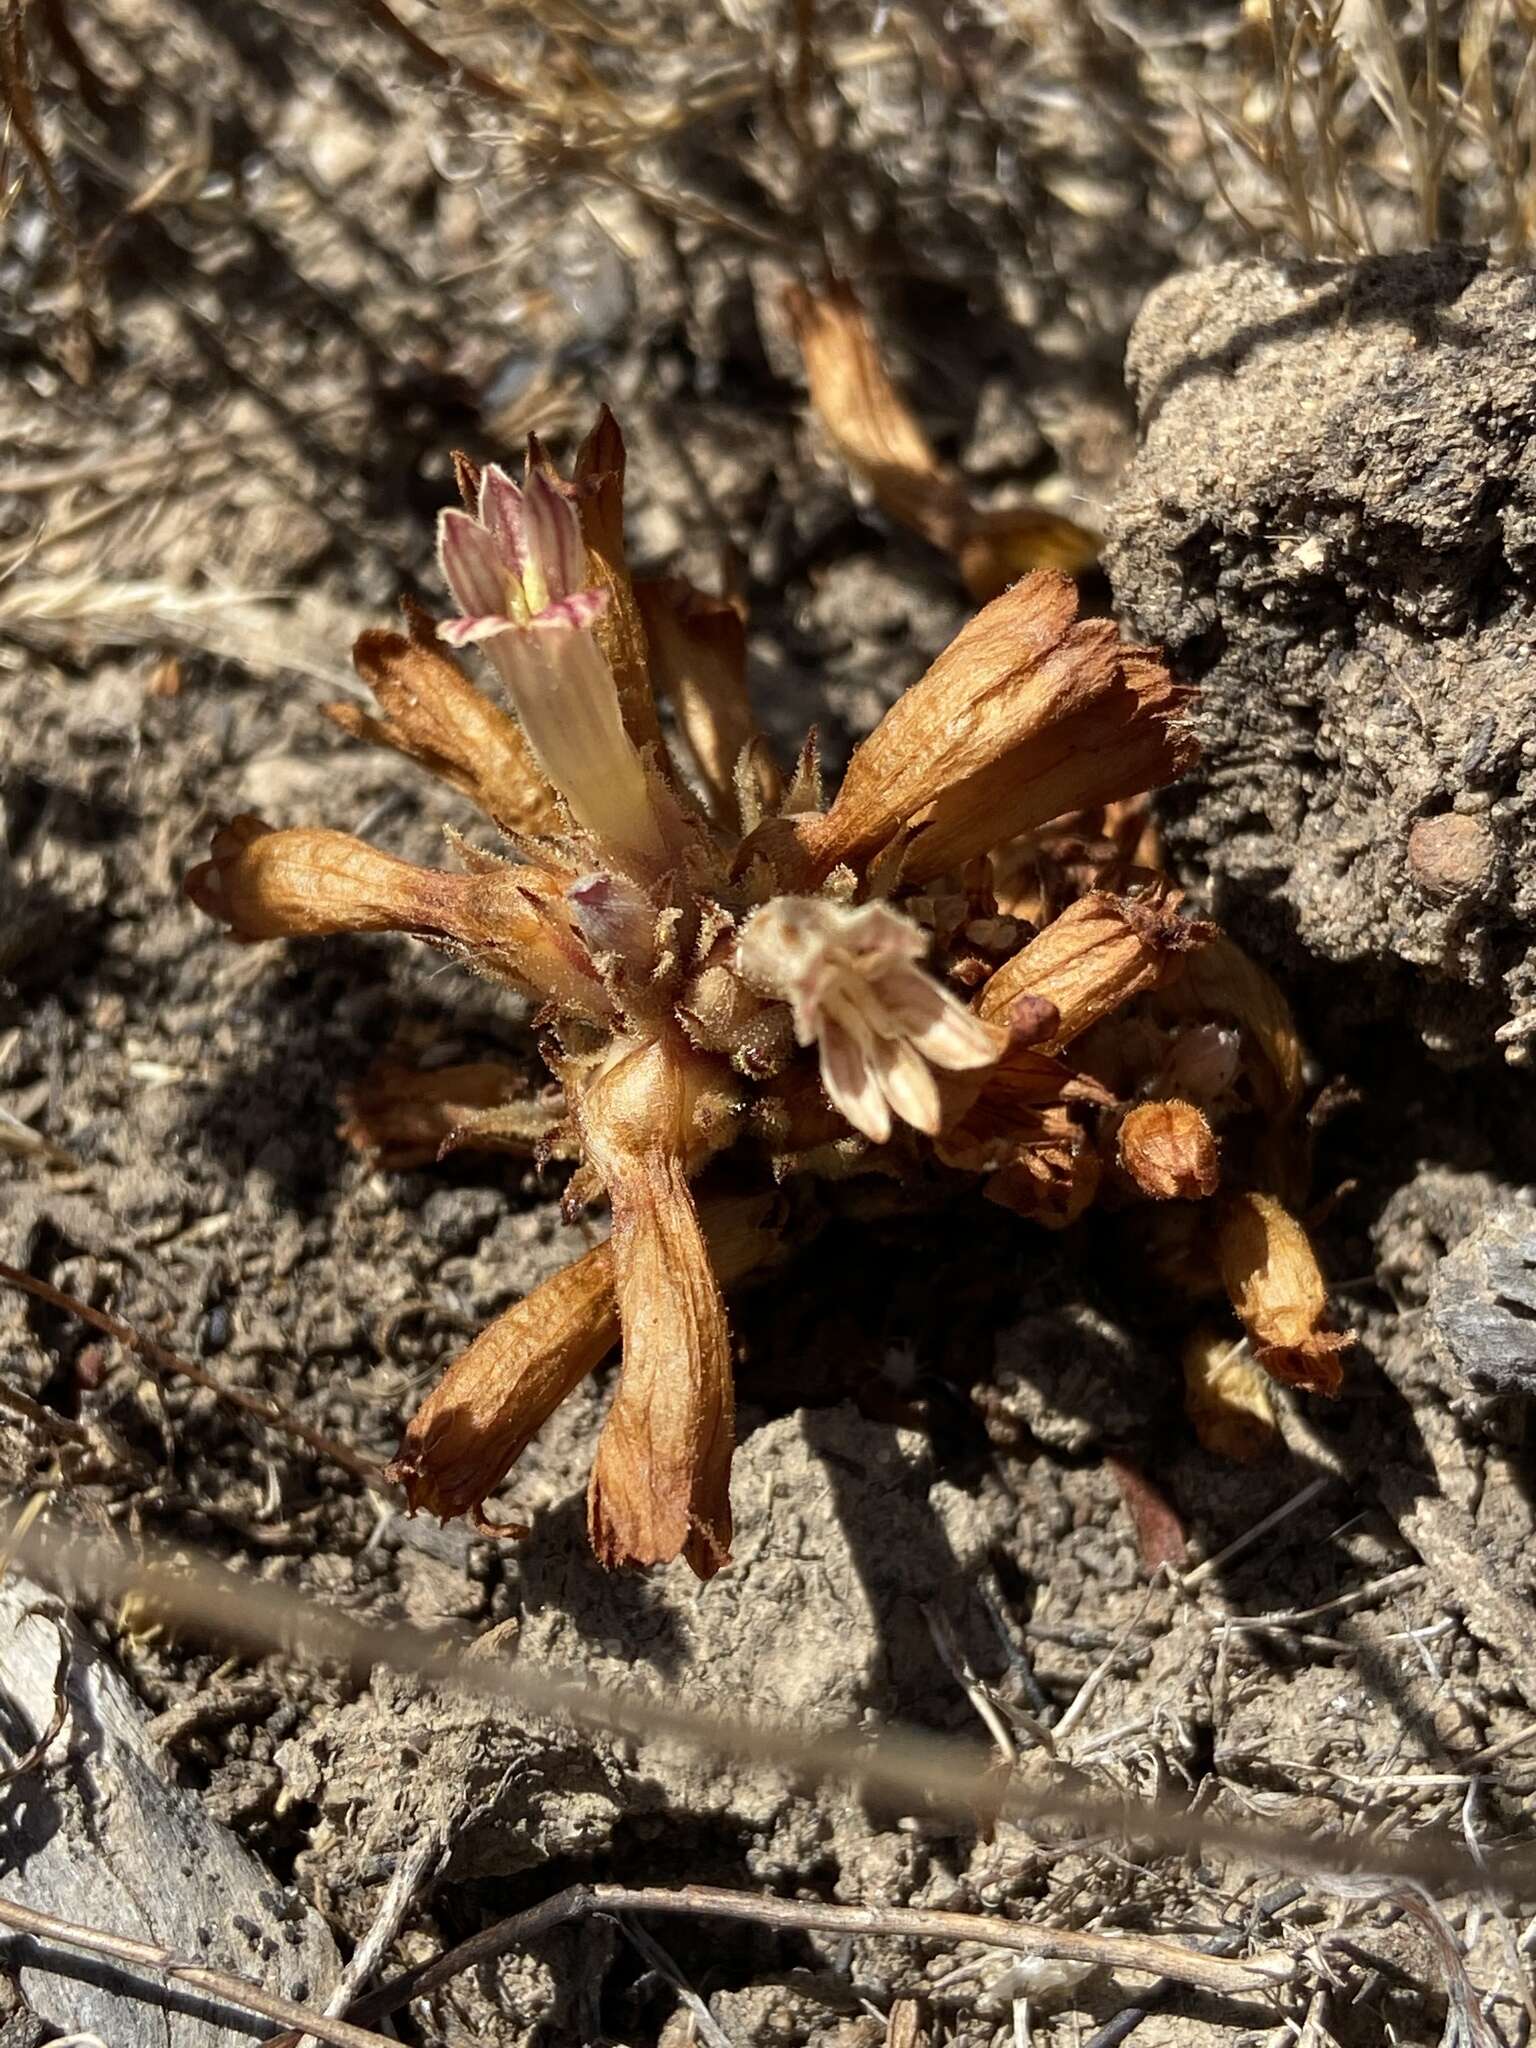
1450 856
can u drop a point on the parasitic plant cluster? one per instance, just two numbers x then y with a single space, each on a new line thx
963 967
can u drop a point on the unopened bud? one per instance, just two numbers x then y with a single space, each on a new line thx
1169 1151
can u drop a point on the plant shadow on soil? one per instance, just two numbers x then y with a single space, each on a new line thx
323 1014
947 1288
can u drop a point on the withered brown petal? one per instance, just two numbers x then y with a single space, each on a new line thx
1050 1178
1004 544
312 882
434 715
1277 1288
403 1116
480 1417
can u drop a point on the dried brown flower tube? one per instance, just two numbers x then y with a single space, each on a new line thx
1272 1278
1103 950
434 715
495 1397
661 1479
878 436
1029 713
490 1404
311 882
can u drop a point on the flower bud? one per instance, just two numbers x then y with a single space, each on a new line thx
1273 1281
721 1014
1168 1150
1101 951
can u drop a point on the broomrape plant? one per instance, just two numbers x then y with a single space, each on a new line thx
736 980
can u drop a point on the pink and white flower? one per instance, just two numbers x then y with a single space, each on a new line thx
517 568
880 1023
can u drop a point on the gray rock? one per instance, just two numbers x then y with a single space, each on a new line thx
1483 1302
94 1833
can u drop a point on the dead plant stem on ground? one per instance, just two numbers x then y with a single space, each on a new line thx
164 1962
913 1770
369 1470
1227 1977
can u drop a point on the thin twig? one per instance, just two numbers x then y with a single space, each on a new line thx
164 1962
1362 1596
415 1867
958 1665
1239 1544
926 1773
1229 1978
364 1468
34 1756
1084 1696
706 2027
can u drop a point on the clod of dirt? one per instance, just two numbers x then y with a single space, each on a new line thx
404 1763
1331 523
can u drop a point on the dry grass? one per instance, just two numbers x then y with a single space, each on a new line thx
1357 127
